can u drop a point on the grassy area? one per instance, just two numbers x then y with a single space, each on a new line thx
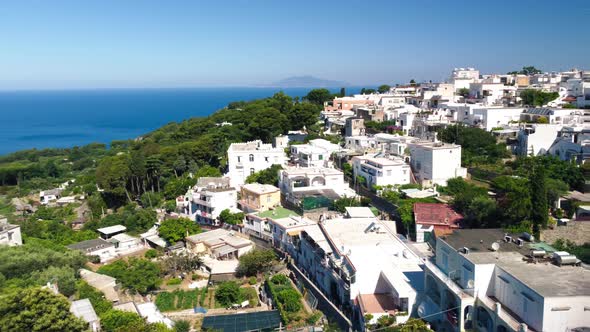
277 213
178 300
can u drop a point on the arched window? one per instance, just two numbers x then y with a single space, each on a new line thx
251 157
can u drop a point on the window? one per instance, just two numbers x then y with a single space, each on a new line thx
268 198
251 157
251 171
266 159
321 157
239 159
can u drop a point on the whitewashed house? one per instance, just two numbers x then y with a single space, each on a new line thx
536 139
84 310
480 279
361 265
209 197
244 159
10 235
381 171
436 162
294 180
105 250
316 153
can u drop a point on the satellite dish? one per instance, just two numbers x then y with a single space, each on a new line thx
495 246
470 283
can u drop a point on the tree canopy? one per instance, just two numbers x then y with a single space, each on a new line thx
34 309
174 230
256 261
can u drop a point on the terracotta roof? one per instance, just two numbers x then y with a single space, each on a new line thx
436 214
569 98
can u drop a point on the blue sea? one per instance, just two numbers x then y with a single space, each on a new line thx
46 119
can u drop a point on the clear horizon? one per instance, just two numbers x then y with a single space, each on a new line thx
65 45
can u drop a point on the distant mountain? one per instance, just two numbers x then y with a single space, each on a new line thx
308 82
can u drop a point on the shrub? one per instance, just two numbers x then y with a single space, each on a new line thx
174 281
165 301
280 279
249 293
314 318
152 253
252 281
182 326
290 299
227 293
195 277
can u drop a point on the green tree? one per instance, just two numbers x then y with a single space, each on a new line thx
112 175
118 320
412 82
266 176
256 261
97 298
35 309
63 276
227 293
231 218
463 92
290 299
182 326
383 88
319 96
514 198
538 190
536 97
138 275
178 186
526 70
174 230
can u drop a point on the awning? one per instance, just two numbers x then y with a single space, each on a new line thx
224 250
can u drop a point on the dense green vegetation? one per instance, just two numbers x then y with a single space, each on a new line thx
537 98
256 261
477 146
137 275
266 176
38 310
178 299
174 230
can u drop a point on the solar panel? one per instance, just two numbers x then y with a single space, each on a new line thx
254 321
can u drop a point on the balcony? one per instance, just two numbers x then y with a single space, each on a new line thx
449 282
507 316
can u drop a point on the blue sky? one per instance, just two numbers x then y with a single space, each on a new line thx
84 44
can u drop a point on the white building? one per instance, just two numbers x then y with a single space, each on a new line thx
463 77
219 244
536 139
293 180
316 153
10 234
381 171
244 159
84 310
105 250
47 196
209 197
285 232
362 266
480 280
491 117
492 93
572 144
561 116
125 244
436 162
